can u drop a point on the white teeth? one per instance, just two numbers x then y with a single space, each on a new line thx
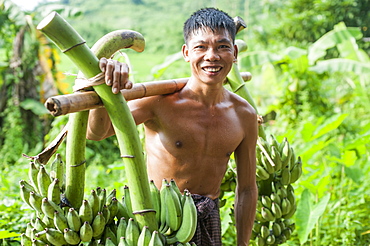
212 69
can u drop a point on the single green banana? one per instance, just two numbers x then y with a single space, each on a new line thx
275 156
55 237
291 212
98 225
25 240
113 209
163 227
285 206
122 242
287 233
265 232
113 228
285 152
73 220
155 195
57 171
257 227
259 216
106 212
25 194
270 239
273 141
282 192
109 242
71 236
189 222
261 241
275 198
267 214
35 201
49 207
291 197
144 237
47 221
94 202
102 197
32 175
285 175
54 191
175 188
261 173
43 181
122 210
112 194
85 212
29 228
155 240
39 224
276 210
132 232
86 232
267 165
127 201
296 171
122 226
266 201
174 209
276 229
60 221
108 233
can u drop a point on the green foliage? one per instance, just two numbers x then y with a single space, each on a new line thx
310 82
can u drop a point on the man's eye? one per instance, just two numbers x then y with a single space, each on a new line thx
224 47
200 47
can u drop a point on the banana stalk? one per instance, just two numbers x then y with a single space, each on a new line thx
237 85
69 41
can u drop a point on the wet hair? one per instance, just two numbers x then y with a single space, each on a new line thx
211 18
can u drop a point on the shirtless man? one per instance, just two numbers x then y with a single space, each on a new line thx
191 134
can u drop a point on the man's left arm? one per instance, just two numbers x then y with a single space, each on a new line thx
246 193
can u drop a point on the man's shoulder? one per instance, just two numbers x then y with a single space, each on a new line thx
241 104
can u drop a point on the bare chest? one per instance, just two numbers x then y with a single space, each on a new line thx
214 132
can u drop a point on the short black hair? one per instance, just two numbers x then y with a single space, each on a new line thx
211 18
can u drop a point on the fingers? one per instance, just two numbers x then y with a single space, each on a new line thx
116 74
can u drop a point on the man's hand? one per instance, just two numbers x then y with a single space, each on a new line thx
116 74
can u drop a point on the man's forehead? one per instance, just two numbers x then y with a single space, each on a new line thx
222 34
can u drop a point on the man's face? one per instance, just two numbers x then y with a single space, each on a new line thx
211 55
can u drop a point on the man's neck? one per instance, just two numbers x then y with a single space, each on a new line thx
207 94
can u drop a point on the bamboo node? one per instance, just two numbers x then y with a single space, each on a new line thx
80 164
143 211
66 50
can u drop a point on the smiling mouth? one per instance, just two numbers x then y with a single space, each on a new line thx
212 69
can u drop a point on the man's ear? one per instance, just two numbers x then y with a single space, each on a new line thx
185 52
235 52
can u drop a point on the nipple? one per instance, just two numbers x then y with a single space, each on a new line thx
178 144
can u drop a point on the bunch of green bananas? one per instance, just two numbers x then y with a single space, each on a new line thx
277 160
276 170
176 212
102 219
272 224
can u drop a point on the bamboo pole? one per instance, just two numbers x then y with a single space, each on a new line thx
79 101
68 40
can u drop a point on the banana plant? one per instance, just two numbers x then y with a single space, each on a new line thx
72 45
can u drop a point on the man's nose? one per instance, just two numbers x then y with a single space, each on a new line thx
212 55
